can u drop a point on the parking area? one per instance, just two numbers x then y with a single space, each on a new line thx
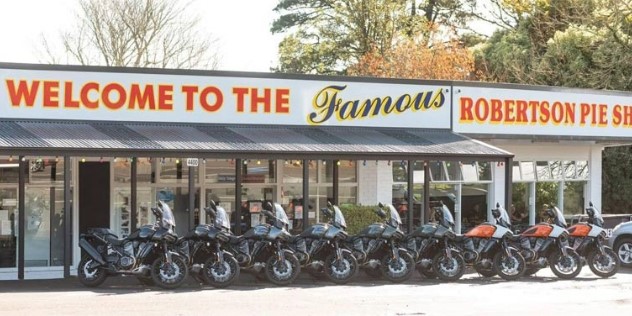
543 294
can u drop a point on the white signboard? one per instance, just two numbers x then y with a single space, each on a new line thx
108 96
193 162
529 112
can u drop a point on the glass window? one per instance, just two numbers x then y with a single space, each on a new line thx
174 171
582 170
43 239
545 193
219 171
347 171
519 209
122 170
515 171
121 213
293 171
473 205
574 197
9 170
527 170
484 171
400 173
543 171
145 170
557 169
569 169
8 224
347 194
436 171
326 172
469 171
454 170
48 170
259 171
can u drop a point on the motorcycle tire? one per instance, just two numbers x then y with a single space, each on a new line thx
145 280
531 271
197 277
594 258
398 272
341 271
375 273
455 266
557 257
517 261
427 273
485 272
282 273
90 277
220 276
316 274
169 277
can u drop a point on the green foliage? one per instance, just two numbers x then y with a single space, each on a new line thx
359 216
616 183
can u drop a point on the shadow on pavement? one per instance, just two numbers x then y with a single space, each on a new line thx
247 282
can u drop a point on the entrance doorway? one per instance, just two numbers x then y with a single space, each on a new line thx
94 195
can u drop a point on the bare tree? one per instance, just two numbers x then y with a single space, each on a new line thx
135 33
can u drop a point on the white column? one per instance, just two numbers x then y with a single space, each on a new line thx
594 180
560 195
384 184
457 207
375 182
532 206
497 188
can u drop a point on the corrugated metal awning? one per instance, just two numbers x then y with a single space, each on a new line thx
238 141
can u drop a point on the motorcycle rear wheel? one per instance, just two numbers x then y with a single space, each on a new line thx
559 264
220 276
595 262
448 269
90 277
427 273
341 271
282 273
169 276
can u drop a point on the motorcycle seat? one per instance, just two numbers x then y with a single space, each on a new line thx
460 238
115 241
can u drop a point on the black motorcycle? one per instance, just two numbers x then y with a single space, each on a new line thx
264 248
378 248
204 247
321 248
434 247
147 253
589 240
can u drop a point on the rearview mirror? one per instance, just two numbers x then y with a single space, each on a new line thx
380 204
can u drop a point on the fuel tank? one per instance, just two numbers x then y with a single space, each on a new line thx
538 230
258 231
579 230
212 233
144 232
315 231
427 230
372 231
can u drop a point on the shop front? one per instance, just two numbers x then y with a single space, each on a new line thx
97 147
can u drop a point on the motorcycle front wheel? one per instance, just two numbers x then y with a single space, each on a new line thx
282 272
448 268
603 265
343 270
90 277
565 267
169 275
398 270
483 271
427 272
509 267
220 275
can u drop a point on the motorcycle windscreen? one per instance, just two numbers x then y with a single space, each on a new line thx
447 220
559 217
597 218
339 219
281 217
504 216
167 216
221 218
395 219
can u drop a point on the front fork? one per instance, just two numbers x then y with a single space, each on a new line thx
220 254
448 250
600 246
507 249
338 250
165 249
280 252
395 251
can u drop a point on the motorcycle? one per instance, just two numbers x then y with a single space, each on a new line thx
548 243
204 248
487 247
321 248
264 248
377 248
434 247
147 253
589 240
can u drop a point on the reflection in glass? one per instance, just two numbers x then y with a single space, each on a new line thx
542 169
528 171
484 171
219 171
454 170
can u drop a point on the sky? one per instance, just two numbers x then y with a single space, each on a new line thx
242 28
